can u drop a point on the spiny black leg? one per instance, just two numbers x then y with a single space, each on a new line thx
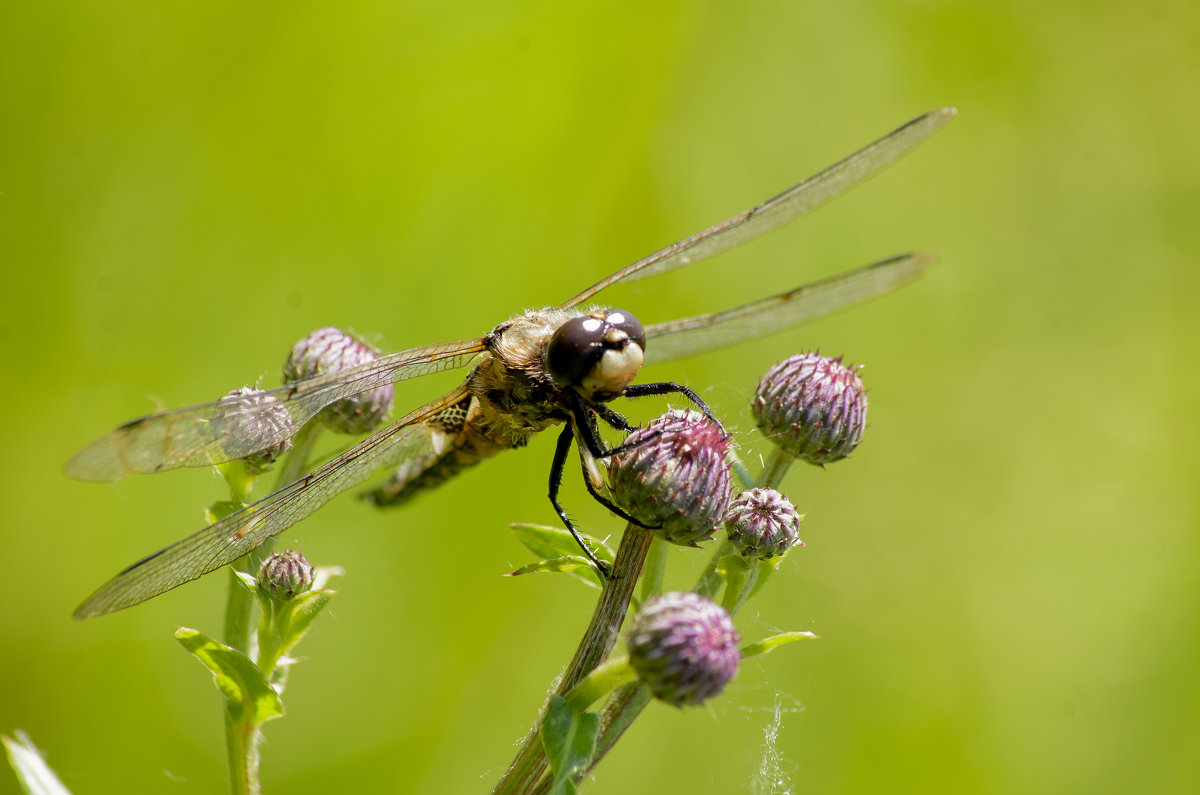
561 449
609 504
591 439
595 446
613 418
667 387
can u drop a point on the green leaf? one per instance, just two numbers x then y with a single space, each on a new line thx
575 565
34 775
292 619
569 737
555 542
770 644
248 694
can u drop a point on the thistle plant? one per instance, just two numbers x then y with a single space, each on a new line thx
251 668
682 647
672 481
560 365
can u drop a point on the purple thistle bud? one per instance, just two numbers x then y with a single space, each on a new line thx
675 479
684 648
329 350
285 574
252 420
762 523
813 407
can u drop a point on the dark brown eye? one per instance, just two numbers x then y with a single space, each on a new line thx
574 349
579 345
625 321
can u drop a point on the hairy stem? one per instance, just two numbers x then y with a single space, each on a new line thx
530 763
633 697
243 736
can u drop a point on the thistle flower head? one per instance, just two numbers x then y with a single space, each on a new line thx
329 350
683 647
285 574
674 479
251 419
762 523
813 407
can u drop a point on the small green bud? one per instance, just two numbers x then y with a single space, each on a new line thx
762 523
285 574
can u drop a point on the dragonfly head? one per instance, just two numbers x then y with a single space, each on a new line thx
597 354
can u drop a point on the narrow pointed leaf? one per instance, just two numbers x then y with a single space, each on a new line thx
554 542
770 644
575 565
34 775
301 610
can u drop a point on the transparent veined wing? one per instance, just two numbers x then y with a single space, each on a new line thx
229 428
787 206
677 339
247 529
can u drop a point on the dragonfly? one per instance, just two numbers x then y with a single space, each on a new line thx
538 369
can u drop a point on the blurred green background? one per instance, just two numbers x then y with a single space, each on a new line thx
1006 576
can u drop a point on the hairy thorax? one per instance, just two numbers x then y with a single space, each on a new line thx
516 396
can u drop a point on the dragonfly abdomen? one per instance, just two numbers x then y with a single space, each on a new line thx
420 475
460 441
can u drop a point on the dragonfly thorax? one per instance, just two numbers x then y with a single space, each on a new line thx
517 395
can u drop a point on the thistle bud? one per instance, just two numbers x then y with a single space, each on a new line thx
329 350
674 479
285 574
762 523
813 407
252 419
683 647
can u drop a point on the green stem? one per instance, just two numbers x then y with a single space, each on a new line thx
600 682
710 581
776 467
242 736
655 570
633 698
530 763
238 605
295 464
242 745
739 470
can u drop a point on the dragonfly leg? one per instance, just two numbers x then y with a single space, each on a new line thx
591 439
609 504
614 418
561 450
666 388
595 447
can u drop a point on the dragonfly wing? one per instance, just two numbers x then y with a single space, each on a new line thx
247 529
787 206
678 339
237 426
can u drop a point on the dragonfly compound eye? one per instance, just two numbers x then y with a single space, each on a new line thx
597 354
